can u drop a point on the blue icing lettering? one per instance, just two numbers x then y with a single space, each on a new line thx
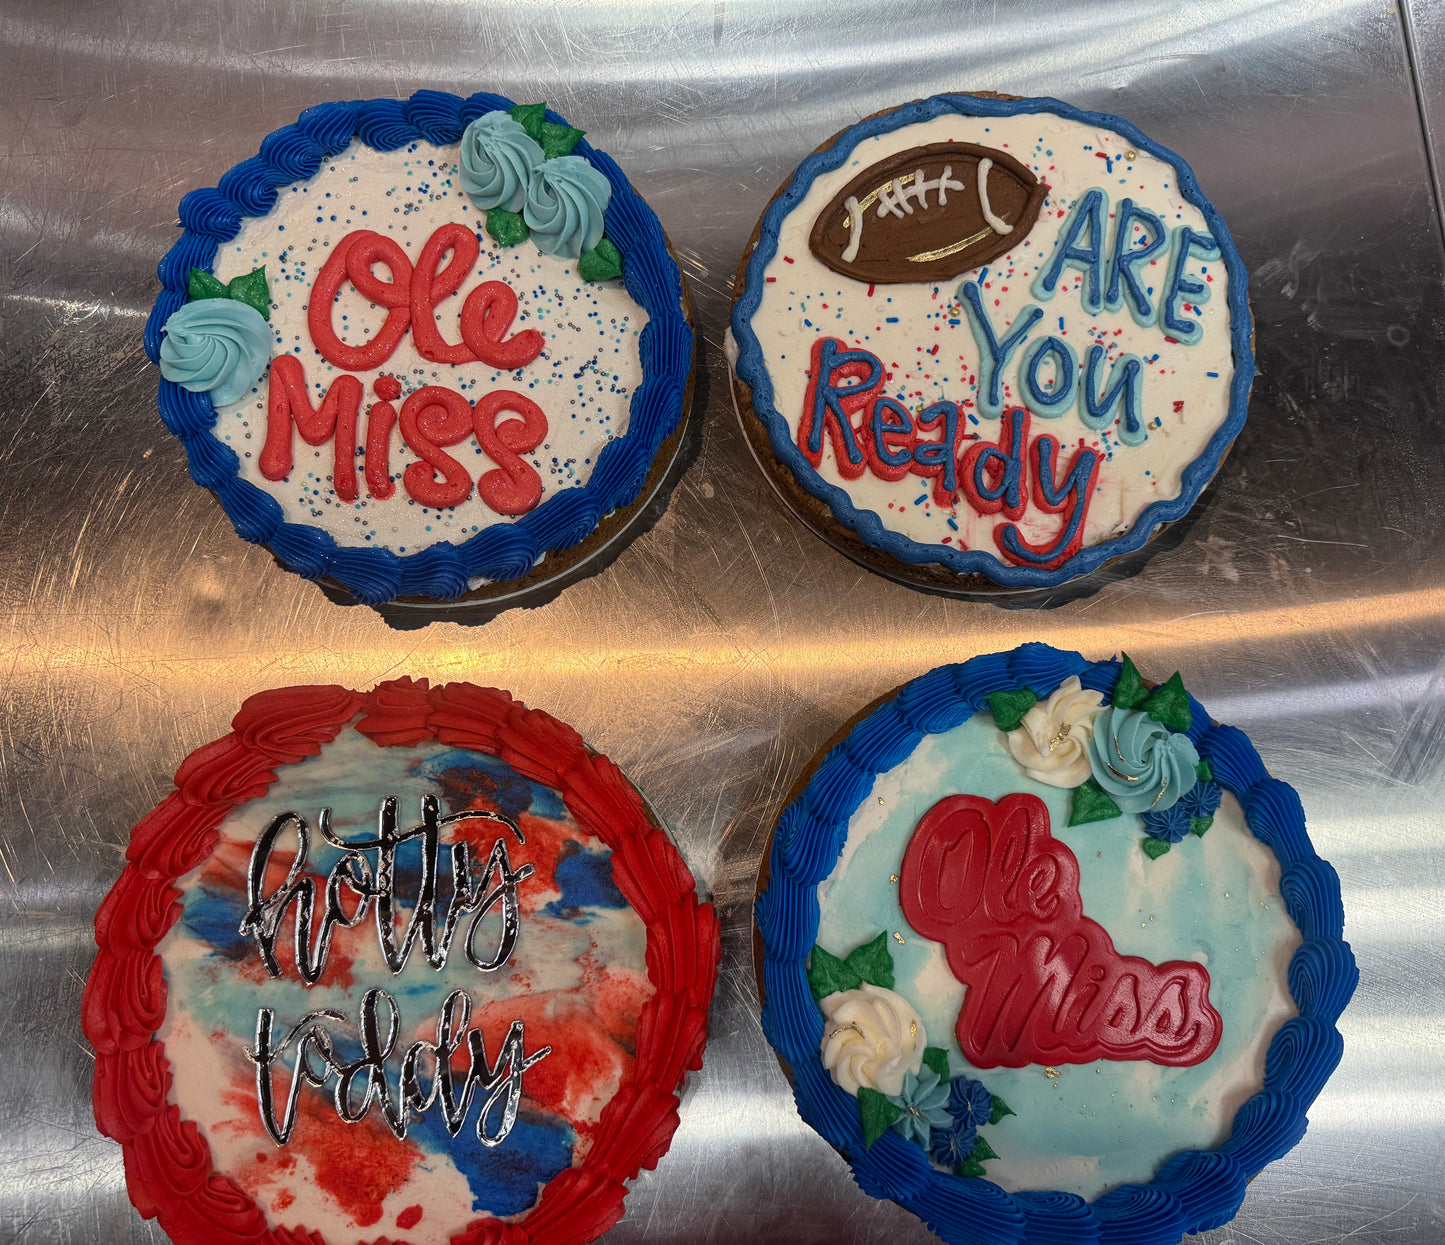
503 1179
1072 252
993 351
1050 403
1124 286
1121 388
1181 285
585 880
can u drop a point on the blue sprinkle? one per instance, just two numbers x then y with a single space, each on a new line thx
920 499
953 525
1061 324
891 320
973 419
1213 374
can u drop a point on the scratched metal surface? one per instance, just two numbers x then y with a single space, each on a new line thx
1304 602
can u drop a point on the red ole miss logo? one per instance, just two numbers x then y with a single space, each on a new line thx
505 424
1045 983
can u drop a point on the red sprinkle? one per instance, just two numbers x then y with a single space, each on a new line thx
409 1218
787 259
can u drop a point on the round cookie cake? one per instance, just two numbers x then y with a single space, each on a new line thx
1048 956
981 342
426 350
412 965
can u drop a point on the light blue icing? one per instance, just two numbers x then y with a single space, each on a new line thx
1141 763
497 159
217 346
566 199
1214 899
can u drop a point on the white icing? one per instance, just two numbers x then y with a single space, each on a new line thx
921 333
872 1037
583 380
995 221
1052 742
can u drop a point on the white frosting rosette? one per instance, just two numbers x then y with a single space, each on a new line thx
1052 742
872 1039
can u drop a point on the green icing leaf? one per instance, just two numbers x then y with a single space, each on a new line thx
872 962
1154 848
200 284
557 140
1169 704
1198 825
973 1164
1203 772
601 263
1129 691
1092 803
827 974
1009 707
531 117
508 228
877 1112
936 1057
1000 1109
252 290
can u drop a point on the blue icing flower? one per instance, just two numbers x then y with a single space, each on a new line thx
497 160
953 1146
217 346
504 1179
1141 763
566 199
969 1104
1170 824
585 880
1203 800
922 1106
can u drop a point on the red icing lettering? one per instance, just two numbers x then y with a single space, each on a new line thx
431 418
831 405
352 260
514 487
1045 984
486 316
287 403
380 420
429 286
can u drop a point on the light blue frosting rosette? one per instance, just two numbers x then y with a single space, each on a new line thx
566 199
1141 763
217 346
497 160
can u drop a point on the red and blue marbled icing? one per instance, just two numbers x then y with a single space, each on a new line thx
613 968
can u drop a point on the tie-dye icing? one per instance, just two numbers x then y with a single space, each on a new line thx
1094 1126
577 979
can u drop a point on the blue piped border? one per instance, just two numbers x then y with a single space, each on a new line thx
752 370
1194 1191
505 550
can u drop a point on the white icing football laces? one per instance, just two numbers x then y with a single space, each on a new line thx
893 199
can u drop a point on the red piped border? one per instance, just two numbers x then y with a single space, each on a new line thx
168 1167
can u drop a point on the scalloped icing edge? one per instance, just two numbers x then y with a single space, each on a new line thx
376 576
751 369
1195 1190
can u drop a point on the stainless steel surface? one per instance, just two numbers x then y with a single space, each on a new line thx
1305 602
